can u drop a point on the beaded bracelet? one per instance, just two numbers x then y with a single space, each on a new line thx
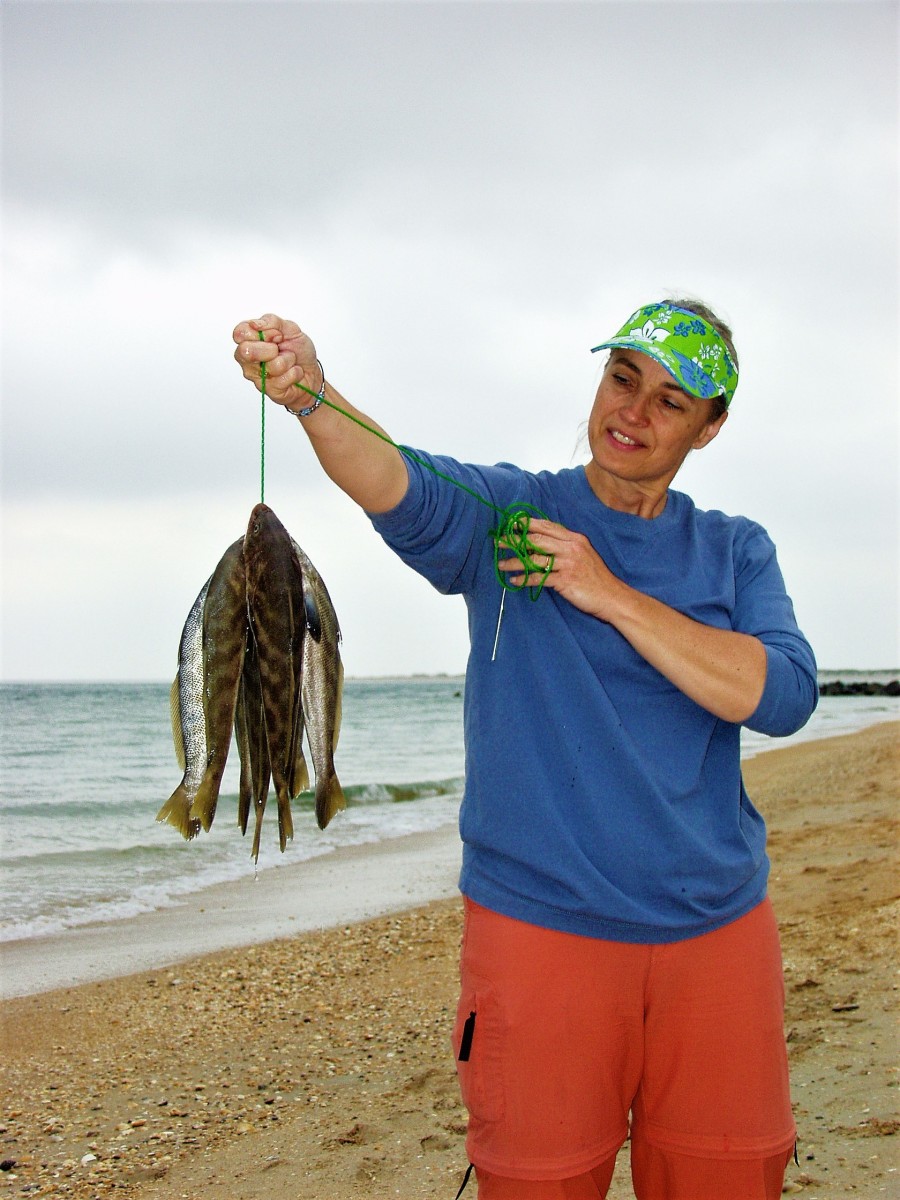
319 397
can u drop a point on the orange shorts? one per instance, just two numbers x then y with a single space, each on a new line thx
559 1037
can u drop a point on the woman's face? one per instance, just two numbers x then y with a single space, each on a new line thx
643 426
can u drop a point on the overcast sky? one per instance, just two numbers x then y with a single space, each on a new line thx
456 200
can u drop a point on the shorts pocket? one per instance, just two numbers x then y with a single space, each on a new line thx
478 1035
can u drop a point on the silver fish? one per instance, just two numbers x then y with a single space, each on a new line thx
188 722
321 688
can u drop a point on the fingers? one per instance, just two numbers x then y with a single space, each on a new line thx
542 533
252 353
290 387
285 349
549 555
536 561
281 372
273 328
533 571
281 387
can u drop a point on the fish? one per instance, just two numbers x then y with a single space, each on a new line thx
188 722
322 686
277 618
250 732
259 655
225 628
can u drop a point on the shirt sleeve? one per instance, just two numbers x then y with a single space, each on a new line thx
440 531
764 610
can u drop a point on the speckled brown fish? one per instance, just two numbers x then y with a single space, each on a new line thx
250 732
224 645
277 626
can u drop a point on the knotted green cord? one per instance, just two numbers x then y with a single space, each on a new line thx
512 529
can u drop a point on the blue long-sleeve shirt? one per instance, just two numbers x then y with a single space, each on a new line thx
599 799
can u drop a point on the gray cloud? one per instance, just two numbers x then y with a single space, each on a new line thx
458 199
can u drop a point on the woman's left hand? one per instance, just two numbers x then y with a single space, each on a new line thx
578 572
720 669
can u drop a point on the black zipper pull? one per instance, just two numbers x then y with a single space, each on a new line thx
465 1046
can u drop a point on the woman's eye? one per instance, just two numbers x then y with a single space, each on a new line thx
671 405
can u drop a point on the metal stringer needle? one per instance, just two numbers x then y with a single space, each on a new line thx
499 619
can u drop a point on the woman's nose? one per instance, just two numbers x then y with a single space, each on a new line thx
636 407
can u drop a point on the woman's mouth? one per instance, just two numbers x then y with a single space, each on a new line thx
622 439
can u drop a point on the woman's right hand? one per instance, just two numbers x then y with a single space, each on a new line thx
369 469
289 355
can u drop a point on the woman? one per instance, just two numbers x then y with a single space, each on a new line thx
620 965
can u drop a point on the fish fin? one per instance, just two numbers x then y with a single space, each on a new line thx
313 620
285 821
299 779
260 796
243 813
329 800
245 795
259 802
176 811
298 772
338 706
203 808
261 789
242 736
175 709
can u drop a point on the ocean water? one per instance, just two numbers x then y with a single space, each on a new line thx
85 767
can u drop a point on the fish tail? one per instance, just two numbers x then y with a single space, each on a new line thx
260 809
177 811
299 777
203 808
329 800
285 821
244 798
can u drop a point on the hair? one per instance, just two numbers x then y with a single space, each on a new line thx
724 331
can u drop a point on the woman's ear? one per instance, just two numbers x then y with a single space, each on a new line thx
709 431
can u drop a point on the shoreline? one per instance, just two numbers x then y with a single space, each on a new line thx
319 1064
348 885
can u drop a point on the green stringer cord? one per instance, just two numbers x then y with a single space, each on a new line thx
512 528
262 422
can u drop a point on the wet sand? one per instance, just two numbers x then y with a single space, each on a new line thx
318 1065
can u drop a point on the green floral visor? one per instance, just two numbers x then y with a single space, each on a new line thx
689 348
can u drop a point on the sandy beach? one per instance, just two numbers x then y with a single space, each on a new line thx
317 1065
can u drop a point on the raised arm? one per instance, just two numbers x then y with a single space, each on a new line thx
371 471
